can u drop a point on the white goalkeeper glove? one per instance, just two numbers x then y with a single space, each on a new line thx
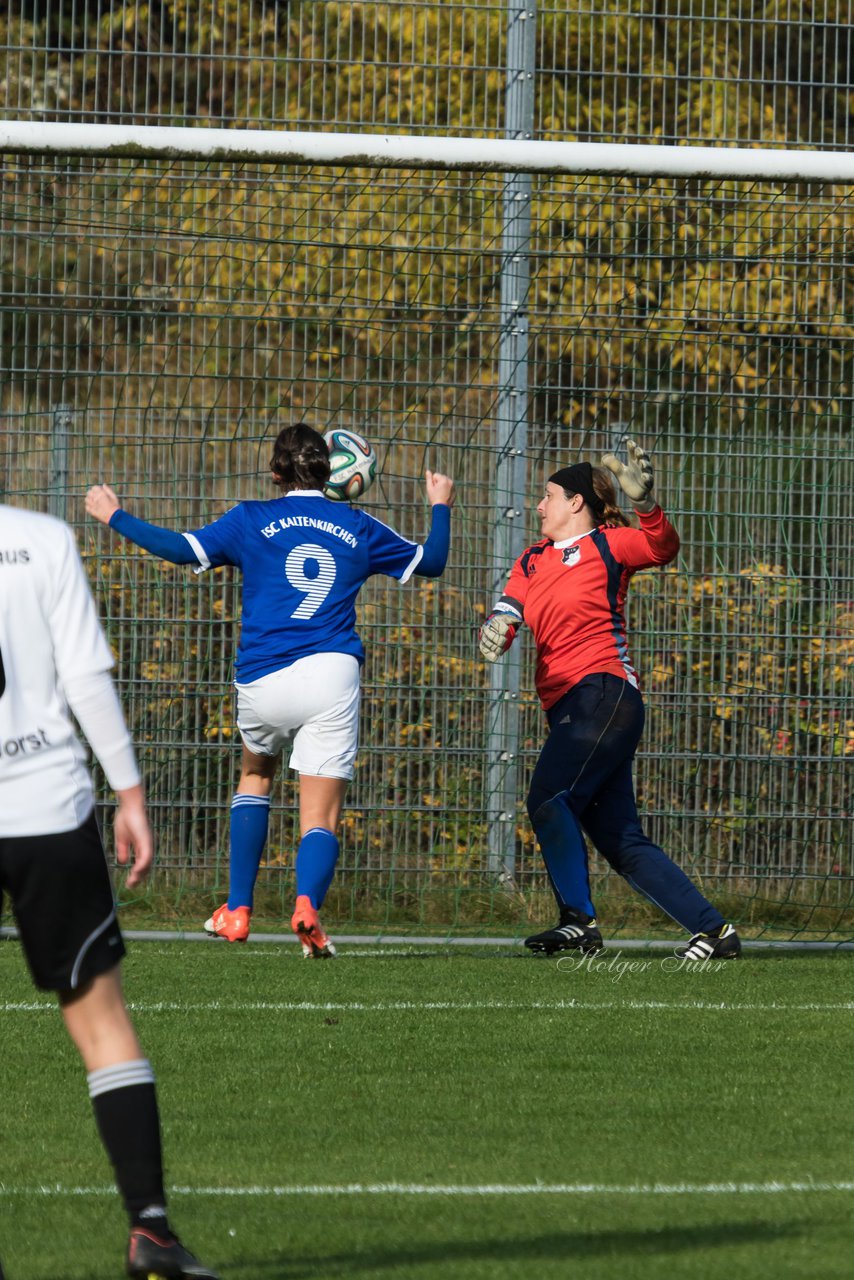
634 477
497 634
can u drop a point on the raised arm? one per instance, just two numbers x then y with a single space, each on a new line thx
660 542
441 495
635 476
102 503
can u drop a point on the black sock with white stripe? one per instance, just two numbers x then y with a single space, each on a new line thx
124 1100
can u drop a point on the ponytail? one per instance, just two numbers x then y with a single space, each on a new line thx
610 514
300 458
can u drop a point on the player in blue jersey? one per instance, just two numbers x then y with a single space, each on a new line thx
304 559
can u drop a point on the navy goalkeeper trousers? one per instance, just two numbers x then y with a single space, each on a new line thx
582 783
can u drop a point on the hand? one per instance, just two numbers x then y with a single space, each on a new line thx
132 833
439 488
102 503
497 634
635 477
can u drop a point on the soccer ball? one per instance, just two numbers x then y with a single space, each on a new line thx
354 465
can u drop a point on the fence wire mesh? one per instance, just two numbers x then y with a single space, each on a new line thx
726 71
162 320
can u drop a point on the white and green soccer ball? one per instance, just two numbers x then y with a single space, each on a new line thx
354 465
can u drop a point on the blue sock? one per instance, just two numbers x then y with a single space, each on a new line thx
316 858
249 817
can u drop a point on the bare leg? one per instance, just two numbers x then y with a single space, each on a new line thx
98 1022
320 802
256 773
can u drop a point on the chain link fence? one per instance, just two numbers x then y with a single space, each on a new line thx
161 320
682 71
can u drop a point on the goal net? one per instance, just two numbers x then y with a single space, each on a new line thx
165 313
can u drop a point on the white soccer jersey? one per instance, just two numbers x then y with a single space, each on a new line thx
49 633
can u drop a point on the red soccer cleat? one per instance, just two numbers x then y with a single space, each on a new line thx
231 925
306 925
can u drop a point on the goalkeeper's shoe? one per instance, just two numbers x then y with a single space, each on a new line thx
725 945
231 925
306 925
151 1257
573 932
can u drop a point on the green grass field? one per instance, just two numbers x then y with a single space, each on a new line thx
406 1113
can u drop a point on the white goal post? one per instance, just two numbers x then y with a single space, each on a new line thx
25 137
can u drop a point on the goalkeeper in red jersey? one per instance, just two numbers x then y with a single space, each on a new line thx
570 589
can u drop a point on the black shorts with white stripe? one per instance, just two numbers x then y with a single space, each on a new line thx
62 898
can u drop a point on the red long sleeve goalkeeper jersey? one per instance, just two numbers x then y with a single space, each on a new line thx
572 596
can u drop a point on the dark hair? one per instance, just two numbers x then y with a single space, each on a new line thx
596 487
603 484
300 458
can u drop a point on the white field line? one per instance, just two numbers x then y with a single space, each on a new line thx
459 1189
447 1006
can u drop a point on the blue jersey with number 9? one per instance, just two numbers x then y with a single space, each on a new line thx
303 559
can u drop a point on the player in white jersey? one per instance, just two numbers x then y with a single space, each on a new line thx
304 559
54 659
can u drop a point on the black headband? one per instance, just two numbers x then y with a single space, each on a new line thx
579 479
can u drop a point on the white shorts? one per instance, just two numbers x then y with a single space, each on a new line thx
311 706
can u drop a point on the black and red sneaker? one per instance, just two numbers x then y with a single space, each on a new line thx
151 1257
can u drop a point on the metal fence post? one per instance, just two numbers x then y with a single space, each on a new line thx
63 416
511 435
